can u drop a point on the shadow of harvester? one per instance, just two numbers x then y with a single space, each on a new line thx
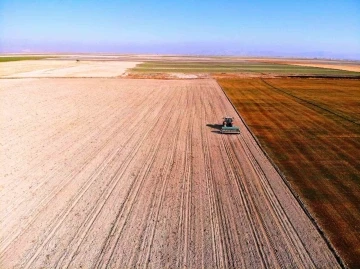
216 127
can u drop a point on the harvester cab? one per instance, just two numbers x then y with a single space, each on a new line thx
228 127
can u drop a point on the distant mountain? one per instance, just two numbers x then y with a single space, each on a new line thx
187 48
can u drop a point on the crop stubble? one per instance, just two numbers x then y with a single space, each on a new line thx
125 173
311 129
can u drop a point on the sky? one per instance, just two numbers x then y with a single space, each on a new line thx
328 29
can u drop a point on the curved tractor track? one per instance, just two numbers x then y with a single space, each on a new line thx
109 173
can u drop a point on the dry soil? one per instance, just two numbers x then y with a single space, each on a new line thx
63 68
134 173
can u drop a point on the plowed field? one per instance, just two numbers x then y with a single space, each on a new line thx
134 173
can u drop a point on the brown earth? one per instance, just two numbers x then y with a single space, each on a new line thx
311 130
134 173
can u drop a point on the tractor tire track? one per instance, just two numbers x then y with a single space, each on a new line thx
83 189
101 201
142 180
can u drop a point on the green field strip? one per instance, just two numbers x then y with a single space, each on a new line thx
231 67
20 58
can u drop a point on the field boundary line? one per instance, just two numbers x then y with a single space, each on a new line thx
287 183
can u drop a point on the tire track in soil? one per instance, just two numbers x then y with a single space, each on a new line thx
45 181
136 260
102 200
94 216
260 223
163 187
226 160
83 189
185 203
219 263
142 259
209 179
116 230
60 135
252 209
52 194
280 218
153 202
245 198
235 213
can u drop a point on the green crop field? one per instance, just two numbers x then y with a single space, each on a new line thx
237 67
19 58
311 130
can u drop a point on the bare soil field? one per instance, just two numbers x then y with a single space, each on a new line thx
347 67
63 68
311 130
134 173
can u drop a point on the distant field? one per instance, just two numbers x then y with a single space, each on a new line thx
237 67
63 68
311 129
20 58
322 63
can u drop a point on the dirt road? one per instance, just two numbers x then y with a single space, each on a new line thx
133 173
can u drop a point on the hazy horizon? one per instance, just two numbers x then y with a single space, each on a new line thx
325 29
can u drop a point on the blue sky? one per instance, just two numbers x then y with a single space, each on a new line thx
284 28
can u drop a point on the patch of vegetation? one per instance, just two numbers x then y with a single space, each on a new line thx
237 67
20 58
311 130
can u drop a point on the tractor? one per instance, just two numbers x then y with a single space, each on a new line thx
228 127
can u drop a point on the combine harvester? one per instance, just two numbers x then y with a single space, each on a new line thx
228 127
